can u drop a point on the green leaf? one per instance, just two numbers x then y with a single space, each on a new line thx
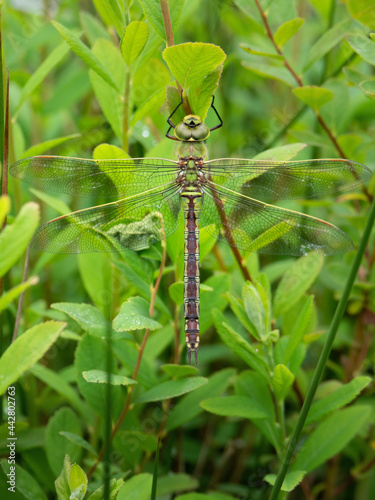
173 483
255 310
235 406
281 153
239 345
337 399
109 152
250 9
4 208
78 440
55 203
77 482
313 96
296 281
282 379
27 350
299 329
57 446
171 389
326 43
96 274
292 479
152 11
152 103
237 307
136 488
270 70
8 297
26 485
363 46
179 371
84 53
40 74
368 87
111 13
287 30
133 41
61 483
311 138
188 407
191 64
88 317
114 487
15 238
363 11
353 75
134 315
331 436
45 146
101 377
176 292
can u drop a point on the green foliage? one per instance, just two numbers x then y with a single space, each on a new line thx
260 339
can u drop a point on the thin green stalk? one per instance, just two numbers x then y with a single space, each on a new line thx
324 356
125 122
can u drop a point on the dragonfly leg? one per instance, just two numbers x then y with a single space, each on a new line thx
217 114
172 125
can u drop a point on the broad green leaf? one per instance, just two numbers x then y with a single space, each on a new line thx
299 329
269 70
152 103
97 278
238 308
176 292
84 53
191 64
363 46
250 9
152 11
363 11
110 98
287 30
15 238
331 436
282 379
179 371
55 203
354 76
101 377
27 350
4 208
172 483
171 389
91 355
109 152
313 96
57 446
281 153
40 74
292 479
368 87
111 13
114 487
88 317
137 487
93 28
337 399
326 43
150 78
239 345
77 480
133 41
61 483
188 407
311 138
62 387
296 281
134 315
8 297
45 146
255 310
235 406
26 485
75 438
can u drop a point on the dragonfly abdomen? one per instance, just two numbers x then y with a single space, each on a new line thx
192 201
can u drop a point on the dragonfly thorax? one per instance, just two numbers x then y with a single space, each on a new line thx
191 129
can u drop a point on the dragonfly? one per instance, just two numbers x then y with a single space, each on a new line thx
228 197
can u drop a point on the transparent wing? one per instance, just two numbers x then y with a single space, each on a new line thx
105 178
270 180
255 226
133 223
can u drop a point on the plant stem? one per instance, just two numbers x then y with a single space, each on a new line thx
125 122
154 291
324 355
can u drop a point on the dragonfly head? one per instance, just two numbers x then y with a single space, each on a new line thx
192 129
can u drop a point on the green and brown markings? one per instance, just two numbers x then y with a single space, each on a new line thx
228 197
